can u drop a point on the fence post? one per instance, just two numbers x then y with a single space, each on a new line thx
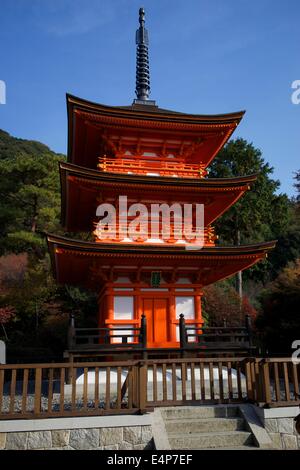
71 332
182 331
143 331
266 388
142 387
106 336
249 328
135 395
249 382
37 390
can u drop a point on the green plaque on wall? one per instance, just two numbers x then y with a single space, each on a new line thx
155 278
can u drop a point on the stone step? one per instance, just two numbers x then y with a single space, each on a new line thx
187 412
193 425
210 440
250 447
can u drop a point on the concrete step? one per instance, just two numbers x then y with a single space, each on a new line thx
210 440
250 447
203 425
187 412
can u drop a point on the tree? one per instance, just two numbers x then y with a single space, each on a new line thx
279 319
221 303
30 194
6 314
297 185
261 214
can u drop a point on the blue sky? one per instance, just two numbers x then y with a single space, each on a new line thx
206 57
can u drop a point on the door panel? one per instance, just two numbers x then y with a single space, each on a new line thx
148 311
156 311
160 321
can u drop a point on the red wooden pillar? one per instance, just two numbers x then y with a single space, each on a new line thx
198 307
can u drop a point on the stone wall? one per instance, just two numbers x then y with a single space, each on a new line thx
114 438
280 425
80 433
282 432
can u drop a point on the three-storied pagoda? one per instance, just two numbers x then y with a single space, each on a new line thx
150 155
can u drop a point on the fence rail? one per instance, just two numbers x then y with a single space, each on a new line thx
99 388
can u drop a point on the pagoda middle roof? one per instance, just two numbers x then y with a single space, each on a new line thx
86 185
86 121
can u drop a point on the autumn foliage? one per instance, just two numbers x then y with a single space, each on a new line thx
222 303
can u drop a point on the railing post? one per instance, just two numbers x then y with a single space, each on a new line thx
143 331
135 401
37 390
249 381
266 385
182 331
106 337
249 328
71 332
142 387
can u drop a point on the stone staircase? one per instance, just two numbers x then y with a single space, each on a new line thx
207 427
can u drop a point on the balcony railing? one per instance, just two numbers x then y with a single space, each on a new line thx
157 167
120 338
210 340
116 234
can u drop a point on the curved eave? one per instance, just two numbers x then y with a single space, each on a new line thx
148 113
148 180
151 112
225 190
92 247
222 262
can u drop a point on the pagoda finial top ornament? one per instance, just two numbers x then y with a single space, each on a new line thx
142 16
142 88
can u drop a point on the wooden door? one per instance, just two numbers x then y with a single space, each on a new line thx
156 311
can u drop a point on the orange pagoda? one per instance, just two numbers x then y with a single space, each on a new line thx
150 156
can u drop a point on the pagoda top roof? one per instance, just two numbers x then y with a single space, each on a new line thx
96 129
151 111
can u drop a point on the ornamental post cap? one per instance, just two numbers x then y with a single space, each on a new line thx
141 15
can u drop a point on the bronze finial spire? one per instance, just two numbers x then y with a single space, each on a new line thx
142 89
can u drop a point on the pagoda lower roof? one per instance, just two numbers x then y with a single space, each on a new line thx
87 186
83 263
95 129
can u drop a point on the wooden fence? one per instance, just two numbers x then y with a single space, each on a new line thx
97 388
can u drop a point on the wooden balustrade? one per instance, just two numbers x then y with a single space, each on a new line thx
117 337
161 167
218 339
99 388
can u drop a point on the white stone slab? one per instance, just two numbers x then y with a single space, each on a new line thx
280 412
21 425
